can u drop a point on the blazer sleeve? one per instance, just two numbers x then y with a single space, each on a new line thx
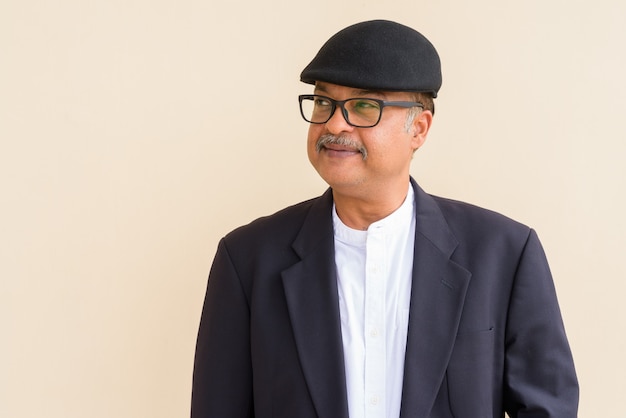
540 379
222 375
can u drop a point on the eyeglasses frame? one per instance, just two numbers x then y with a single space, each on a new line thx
344 112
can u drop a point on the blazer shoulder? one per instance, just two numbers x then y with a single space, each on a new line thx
466 219
265 246
283 224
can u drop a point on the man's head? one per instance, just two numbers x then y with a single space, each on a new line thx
372 105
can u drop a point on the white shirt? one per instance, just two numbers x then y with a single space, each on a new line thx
374 270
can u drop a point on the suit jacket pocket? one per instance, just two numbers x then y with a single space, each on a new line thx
471 375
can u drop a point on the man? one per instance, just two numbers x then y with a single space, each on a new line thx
377 299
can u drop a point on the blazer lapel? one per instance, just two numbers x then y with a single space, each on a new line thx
437 297
311 294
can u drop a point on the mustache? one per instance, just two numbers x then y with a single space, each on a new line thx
342 140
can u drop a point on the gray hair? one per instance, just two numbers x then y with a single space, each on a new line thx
410 117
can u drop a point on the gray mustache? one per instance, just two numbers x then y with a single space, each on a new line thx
342 140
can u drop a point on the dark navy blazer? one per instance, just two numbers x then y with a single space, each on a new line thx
485 331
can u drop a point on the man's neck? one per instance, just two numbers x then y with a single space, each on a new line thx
359 211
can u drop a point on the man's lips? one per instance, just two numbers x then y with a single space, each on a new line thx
340 151
339 146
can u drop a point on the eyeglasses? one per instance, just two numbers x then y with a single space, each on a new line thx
358 112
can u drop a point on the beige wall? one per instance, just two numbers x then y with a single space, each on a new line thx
135 133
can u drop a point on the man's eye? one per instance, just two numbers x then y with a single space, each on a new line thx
365 105
322 102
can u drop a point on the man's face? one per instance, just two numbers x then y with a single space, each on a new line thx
389 146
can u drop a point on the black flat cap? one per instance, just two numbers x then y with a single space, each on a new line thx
377 55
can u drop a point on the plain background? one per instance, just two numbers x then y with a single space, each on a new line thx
134 134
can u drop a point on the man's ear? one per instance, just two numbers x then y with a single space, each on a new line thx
420 128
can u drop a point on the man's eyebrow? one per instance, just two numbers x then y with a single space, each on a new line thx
319 88
370 93
356 93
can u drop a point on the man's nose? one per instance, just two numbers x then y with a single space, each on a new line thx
338 123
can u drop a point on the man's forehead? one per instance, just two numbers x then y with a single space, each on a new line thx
329 88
